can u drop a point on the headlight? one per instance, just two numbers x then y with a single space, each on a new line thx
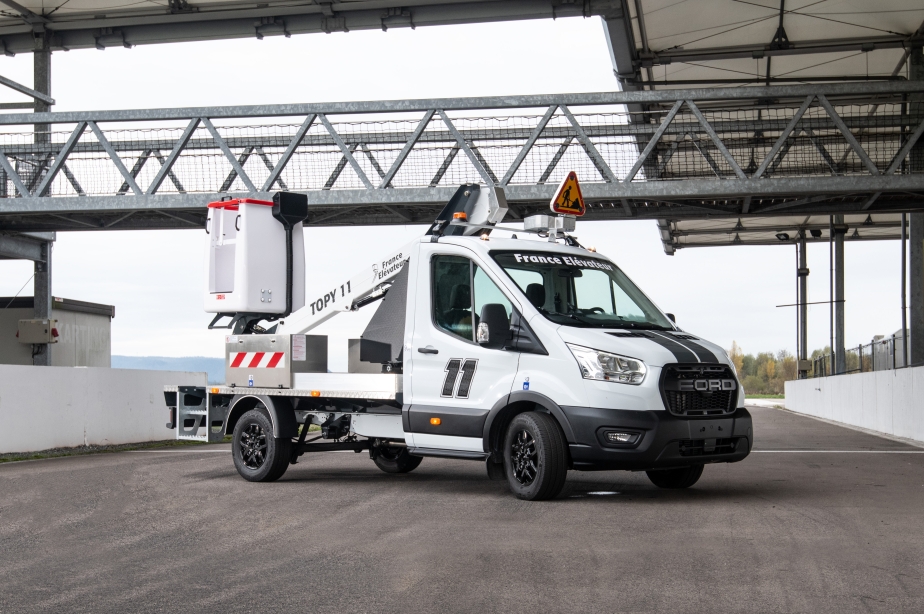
608 367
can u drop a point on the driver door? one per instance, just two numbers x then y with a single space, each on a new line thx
455 382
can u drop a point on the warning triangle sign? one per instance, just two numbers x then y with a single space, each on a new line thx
568 199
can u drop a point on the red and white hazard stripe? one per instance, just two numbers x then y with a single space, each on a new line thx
258 360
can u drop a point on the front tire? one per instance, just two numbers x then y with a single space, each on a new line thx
396 460
258 456
676 478
535 457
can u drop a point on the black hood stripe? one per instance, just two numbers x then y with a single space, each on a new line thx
680 352
704 354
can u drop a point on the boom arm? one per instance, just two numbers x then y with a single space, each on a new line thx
371 282
479 205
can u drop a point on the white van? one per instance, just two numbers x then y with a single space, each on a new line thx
534 357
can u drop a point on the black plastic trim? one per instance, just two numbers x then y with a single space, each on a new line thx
454 421
660 444
460 454
280 409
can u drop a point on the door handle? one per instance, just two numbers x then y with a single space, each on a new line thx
428 350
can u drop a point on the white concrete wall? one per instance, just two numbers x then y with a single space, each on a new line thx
63 407
890 402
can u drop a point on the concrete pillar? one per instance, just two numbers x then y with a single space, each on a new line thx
916 230
840 353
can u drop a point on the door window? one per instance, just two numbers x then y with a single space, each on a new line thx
452 295
460 289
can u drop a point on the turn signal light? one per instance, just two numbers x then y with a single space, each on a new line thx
214 390
435 421
315 393
459 215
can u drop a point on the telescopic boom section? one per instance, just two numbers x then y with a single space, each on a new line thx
368 285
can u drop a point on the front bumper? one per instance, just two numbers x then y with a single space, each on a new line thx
665 440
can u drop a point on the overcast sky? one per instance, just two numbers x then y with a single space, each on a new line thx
155 278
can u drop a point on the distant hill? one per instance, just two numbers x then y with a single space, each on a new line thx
215 367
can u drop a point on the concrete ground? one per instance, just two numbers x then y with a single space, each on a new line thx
818 519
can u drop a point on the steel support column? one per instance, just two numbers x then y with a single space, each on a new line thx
802 273
840 353
916 234
42 298
41 62
41 282
916 294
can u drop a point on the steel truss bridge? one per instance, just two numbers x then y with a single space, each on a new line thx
666 155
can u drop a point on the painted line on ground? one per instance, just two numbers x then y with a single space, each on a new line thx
839 451
174 451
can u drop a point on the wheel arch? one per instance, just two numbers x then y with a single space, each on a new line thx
516 403
280 409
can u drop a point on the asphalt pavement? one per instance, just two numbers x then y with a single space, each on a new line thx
818 519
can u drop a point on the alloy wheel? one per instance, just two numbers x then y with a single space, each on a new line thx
253 446
525 458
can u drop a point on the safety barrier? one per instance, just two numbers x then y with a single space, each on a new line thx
63 407
885 401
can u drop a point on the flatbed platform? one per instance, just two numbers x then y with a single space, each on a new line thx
371 386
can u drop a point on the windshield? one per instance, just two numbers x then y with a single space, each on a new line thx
583 292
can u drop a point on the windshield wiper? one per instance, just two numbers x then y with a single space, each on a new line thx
642 326
582 320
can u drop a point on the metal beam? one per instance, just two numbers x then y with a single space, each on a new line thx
778 92
700 189
766 50
129 177
19 247
90 29
287 154
167 164
464 146
347 151
527 147
28 91
408 146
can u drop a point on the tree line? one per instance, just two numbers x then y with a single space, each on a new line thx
764 373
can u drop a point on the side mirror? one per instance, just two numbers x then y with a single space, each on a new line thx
494 326
671 317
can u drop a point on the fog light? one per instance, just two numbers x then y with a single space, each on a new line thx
620 437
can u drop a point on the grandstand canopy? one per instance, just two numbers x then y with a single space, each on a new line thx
741 42
779 230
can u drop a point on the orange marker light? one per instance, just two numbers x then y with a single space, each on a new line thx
459 215
214 390
315 393
435 421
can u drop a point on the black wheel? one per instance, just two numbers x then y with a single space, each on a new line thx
676 478
535 458
258 456
395 460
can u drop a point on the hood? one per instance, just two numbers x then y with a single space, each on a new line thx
655 348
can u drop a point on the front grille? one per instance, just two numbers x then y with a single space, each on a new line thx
698 404
699 390
700 447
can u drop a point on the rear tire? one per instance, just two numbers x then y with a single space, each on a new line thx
396 460
258 456
535 457
676 478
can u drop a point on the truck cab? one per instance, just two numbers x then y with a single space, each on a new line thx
532 356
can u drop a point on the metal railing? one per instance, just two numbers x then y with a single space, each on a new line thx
724 152
881 355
